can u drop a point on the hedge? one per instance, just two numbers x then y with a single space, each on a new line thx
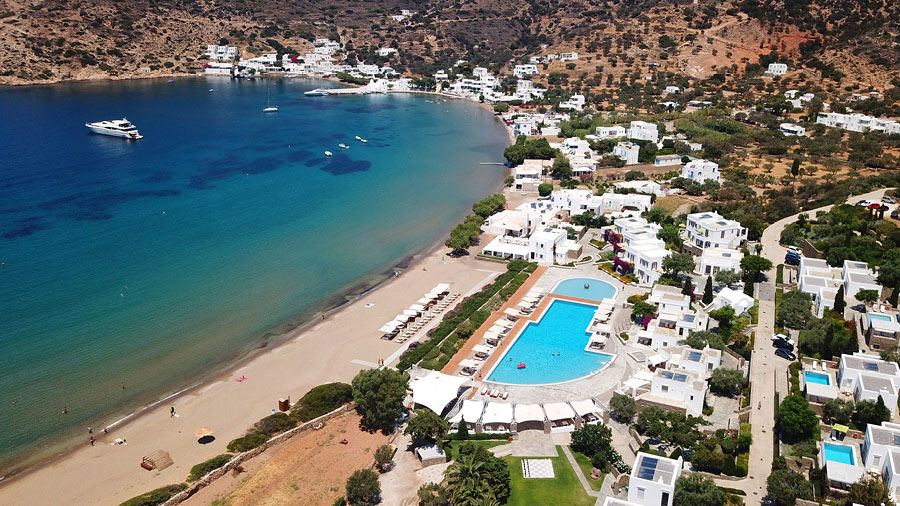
477 437
248 442
154 497
779 274
275 424
203 468
321 400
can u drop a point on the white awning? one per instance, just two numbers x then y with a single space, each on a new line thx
470 410
636 383
491 334
529 413
441 288
469 363
497 413
530 298
480 348
656 359
609 301
584 407
435 390
559 411
512 312
524 304
410 312
417 307
425 300
504 323
598 339
430 296
403 317
389 327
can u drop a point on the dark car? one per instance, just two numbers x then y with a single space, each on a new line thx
895 214
781 343
792 258
783 353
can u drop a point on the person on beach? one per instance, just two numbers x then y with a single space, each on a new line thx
106 430
65 409
123 385
172 411
90 430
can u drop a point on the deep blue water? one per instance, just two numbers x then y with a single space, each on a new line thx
150 262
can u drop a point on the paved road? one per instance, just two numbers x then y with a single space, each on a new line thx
768 373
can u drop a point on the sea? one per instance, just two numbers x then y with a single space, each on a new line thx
130 270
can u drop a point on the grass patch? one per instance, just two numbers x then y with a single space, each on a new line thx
451 448
779 273
670 203
779 294
154 497
585 464
564 489
201 469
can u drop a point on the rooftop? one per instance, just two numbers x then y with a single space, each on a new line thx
866 363
655 469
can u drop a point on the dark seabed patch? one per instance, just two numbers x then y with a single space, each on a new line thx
368 109
339 165
230 166
299 155
25 227
95 206
158 177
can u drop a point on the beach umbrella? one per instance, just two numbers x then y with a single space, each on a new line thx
417 307
424 301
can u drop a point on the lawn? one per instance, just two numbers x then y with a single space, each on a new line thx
671 202
564 489
451 447
585 464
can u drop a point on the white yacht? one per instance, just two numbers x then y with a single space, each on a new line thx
360 139
116 128
328 153
316 93
343 146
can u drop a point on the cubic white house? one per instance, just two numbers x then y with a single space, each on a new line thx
653 480
711 230
701 171
643 131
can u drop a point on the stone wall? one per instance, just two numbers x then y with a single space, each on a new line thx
240 458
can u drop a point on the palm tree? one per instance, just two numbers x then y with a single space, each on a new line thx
465 481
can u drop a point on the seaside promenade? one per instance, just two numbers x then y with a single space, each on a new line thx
334 349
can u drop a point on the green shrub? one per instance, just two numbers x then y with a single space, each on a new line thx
779 274
248 442
201 469
275 424
154 497
321 400
675 453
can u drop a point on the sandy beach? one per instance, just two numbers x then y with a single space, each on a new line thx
333 349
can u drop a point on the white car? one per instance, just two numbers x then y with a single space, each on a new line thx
864 203
795 249
782 336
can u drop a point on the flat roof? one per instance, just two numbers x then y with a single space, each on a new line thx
653 468
873 364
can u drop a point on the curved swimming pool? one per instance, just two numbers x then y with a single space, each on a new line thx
585 288
552 348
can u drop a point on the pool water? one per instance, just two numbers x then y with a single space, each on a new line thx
839 453
575 287
817 378
882 317
561 330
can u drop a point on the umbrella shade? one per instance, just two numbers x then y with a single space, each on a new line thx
424 300
417 307
388 327
203 431
410 312
841 428
431 296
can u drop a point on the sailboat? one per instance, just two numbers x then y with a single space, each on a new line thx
269 108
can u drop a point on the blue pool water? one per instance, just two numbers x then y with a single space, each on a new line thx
560 330
884 318
596 290
817 377
839 453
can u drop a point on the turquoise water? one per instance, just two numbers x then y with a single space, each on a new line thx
560 330
881 317
155 261
839 453
575 287
817 378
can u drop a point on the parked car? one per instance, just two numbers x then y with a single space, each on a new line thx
792 258
889 200
783 353
895 214
863 203
781 343
794 249
873 205
782 336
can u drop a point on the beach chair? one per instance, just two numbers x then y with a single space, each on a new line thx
494 393
504 395
484 390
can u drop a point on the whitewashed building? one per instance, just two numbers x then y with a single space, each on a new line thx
739 301
713 260
646 256
611 132
575 102
667 329
221 53
792 130
867 377
643 131
858 122
545 246
644 186
699 362
652 481
857 276
669 299
678 389
568 56
701 171
627 151
777 69
819 280
667 160
712 230
521 71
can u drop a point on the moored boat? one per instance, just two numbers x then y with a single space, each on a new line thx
115 128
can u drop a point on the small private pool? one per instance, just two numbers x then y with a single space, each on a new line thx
839 453
552 349
817 377
585 288
880 317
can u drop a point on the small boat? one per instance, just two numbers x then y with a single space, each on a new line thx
360 139
269 107
316 93
171 81
521 365
328 153
115 128
343 146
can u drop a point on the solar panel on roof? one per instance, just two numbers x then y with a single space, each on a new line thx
688 317
681 377
870 366
694 356
666 374
648 468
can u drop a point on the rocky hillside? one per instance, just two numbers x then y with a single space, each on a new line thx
854 42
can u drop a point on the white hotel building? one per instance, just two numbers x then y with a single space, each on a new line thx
701 171
711 230
858 122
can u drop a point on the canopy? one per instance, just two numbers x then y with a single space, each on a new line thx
417 307
480 348
841 428
598 339
656 359
559 411
584 407
430 296
469 363
636 383
530 298
410 312
511 312
491 334
435 390
441 288
425 300
470 410
524 304
388 327
504 323
529 413
497 412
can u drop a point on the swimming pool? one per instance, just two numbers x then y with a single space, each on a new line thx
839 453
575 287
552 348
817 378
882 317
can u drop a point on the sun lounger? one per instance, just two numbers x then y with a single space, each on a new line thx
494 393
504 395
484 390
